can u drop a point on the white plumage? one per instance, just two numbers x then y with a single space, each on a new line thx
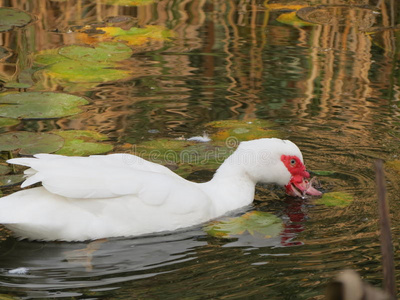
85 198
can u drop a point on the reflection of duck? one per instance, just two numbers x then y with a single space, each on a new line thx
122 195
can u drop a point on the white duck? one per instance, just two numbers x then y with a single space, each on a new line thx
85 198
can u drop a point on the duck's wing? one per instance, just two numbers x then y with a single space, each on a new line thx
98 176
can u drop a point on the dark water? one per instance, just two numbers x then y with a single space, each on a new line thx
332 88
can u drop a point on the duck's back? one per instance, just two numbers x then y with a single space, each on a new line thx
101 196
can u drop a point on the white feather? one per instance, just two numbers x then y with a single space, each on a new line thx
122 195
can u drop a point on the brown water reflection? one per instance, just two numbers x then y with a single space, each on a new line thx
333 88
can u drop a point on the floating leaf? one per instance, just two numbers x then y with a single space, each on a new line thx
4 169
133 36
82 142
340 199
257 223
187 156
40 105
292 19
84 65
10 18
5 122
242 130
30 143
103 52
361 17
10 180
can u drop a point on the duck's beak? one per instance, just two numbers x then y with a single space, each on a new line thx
300 186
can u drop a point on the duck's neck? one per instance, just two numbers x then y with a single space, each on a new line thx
231 187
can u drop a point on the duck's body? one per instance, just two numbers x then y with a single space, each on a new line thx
85 198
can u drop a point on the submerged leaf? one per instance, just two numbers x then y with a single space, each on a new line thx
323 173
82 143
242 130
340 199
40 105
30 143
10 18
258 223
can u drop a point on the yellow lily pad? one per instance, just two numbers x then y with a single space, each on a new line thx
256 223
82 143
133 36
339 199
394 165
292 19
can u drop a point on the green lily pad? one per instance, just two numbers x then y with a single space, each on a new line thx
86 72
258 223
241 130
10 180
5 122
103 52
83 142
339 199
30 143
40 105
4 169
10 18
83 65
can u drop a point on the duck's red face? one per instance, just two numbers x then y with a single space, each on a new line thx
298 184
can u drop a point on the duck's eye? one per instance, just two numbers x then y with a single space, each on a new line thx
292 162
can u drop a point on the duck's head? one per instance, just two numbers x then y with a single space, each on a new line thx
277 161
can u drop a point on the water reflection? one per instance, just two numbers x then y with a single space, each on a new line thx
330 87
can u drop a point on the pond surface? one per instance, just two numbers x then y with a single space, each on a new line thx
325 77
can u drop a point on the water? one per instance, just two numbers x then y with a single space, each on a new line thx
330 88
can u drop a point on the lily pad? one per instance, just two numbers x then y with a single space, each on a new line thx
228 130
5 122
103 52
256 223
83 142
40 105
84 65
4 169
132 36
10 18
292 19
187 156
11 180
361 17
30 143
339 199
